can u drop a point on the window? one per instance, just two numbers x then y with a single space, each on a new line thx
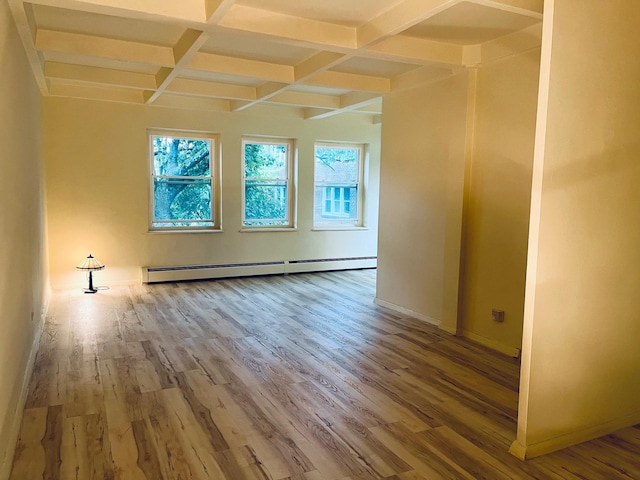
184 181
338 171
268 187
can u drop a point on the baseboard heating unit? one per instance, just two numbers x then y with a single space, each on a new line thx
279 267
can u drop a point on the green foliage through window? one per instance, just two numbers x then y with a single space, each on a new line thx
266 184
182 182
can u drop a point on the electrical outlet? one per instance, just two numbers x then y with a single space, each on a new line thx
497 315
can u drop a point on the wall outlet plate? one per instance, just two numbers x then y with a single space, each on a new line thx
497 315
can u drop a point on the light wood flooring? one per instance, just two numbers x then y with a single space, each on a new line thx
284 377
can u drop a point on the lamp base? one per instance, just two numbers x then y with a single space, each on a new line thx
90 291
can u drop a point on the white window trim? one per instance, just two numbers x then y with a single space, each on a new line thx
215 177
363 156
290 184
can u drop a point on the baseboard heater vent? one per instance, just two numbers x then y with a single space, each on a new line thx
202 272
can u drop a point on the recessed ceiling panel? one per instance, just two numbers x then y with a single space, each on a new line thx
350 13
374 68
252 48
73 21
469 24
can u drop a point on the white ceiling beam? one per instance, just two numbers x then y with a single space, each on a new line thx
192 103
192 11
108 94
51 40
528 8
416 49
256 20
305 99
263 92
185 48
509 45
399 18
318 63
349 102
215 10
351 81
421 76
23 17
187 86
104 76
210 62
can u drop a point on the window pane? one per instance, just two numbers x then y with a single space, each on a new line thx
265 201
337 165
182 199
265 160
341 212
181 156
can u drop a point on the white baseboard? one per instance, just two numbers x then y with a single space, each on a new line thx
492 344
14 430
525 452
406 311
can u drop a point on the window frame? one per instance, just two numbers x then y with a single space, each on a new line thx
360 184
214 177
290 183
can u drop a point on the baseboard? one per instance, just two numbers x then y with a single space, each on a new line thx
525 452
406 311
492 344
14 431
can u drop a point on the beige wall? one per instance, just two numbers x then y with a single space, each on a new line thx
582 323
22 254
497 214
422 172
97 182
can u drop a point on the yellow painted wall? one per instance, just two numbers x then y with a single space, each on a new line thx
422 172
22 251
497 214
97 182
581 355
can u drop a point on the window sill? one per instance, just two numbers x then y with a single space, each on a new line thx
174 231
268 229
339 229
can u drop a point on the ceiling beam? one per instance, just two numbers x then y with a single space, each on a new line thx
348 102
399 18
187 46
192 11
95 75
528 8
51 40
23 17
318 63
108 94
305 99
192 103
420 76
210 62
514 44
256 20
351 81
416 49
187 86
215 10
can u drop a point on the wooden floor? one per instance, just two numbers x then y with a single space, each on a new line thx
296 377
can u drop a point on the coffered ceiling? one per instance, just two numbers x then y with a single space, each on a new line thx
320 57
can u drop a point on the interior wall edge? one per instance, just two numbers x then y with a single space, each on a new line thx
406 311
18 410
526 452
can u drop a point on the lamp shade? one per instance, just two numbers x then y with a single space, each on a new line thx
90 263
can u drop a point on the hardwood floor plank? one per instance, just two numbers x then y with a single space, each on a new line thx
297 377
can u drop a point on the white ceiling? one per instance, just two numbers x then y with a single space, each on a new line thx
320 57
